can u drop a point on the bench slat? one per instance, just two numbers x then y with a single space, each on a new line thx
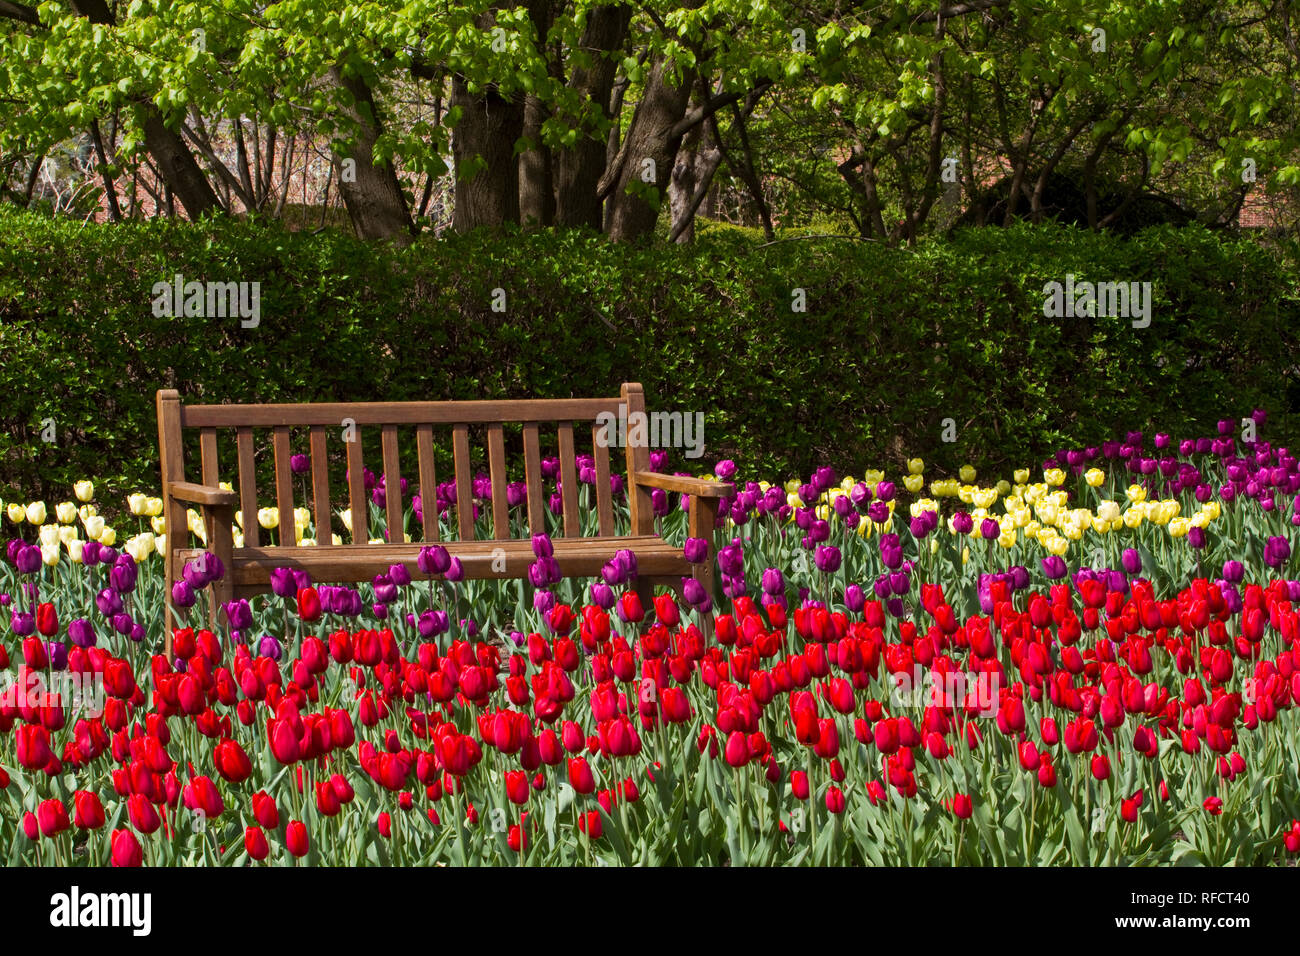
392 485
208 466
247 486
533 476
464 483
284 486
604 496
397 413
497 461
638 460
357 490
428 480
569 482
320 487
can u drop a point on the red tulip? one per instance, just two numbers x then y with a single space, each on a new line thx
737 749
264 809
385 825
591 824
1213 806
231 762
284 742
126 849
517 786
962 808
1291 837
799 785
255 843
52 817
1100 766
142 814
835 800
47 621
580 777
295 838
666 610
308 604
88 811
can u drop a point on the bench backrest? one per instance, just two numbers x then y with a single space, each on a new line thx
404 422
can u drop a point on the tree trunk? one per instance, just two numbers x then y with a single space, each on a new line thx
370 191
697 161
578 170
536 185
483 145
639 177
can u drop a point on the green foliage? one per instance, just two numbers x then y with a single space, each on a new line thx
893 342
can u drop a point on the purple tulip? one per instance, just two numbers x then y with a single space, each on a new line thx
283 583
878 511
22 623
109 602
542 546
1196 538
1054 567
854 599
57 652
122 623
696 550
885 491
455 571
1131 560
183 595
773 581
543 601
627 559
693 592
989 529
731 559
238 614
827 558
725 470
433 560
29 559
602 595
268 646
962 522
1276 551
385 589
1233 571
123 575
81 632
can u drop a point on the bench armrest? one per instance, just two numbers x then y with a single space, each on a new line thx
201 494
695 487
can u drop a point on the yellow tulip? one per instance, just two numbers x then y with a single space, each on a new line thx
94 527
67 533
108 537
307 542
16 512
239 518
238 538
268 517
1095 477
1108 510
1020 476
74 550
84 490
86 511
966 473
914 483
137 503
1008 537
1211 510
160 544
50 555
48 534
339 540
1134 517
65 512
823 512
965 555
1054 477
159 524
346 518
792 486
1136 494
873 477
915 466
36 513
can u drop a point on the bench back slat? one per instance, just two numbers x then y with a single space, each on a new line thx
397 413
638 459
357 490
464 483
208 456
497 465
247 487
604 495
284 486
392 485
428 481
569 483
320 487
533 478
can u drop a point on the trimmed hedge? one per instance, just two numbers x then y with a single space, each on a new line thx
893 342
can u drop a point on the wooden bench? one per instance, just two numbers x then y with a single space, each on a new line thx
248 567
